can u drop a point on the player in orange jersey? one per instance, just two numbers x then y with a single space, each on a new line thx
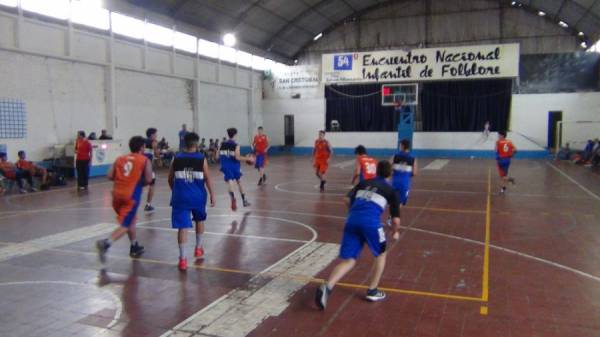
261 148
321 154
130 173
365 167
505 150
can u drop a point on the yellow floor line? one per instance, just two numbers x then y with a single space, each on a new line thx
486 253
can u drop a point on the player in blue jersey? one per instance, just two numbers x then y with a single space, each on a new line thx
189 179
230 157
367 201
404 167
151 151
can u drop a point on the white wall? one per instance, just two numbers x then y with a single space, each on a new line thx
529 114
60 98
152 101
529 118
222 108
66 89
309 118
427 140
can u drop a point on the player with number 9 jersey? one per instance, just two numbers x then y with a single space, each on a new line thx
129 173
128 176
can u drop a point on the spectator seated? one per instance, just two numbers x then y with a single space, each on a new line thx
13 174
33 169
565 153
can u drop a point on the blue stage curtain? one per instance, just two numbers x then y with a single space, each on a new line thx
466 105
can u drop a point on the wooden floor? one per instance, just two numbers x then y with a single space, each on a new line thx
470 262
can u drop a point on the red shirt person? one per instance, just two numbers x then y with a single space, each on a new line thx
365 167
83 158
504 152
261 148
321 154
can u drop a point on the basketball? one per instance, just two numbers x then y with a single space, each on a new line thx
251 159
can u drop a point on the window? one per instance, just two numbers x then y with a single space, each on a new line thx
9 3
258 62
158 34
269 64
89 14
595 47
244 59
186 42
208 49
127 26
227 54
58 9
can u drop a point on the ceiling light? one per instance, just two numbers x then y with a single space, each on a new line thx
583 45
514 3
563 24
581 34
229 40
540 13
318 36
296 61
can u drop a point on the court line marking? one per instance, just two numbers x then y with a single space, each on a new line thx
288 276
62 189
344 164
279 188
528 195
224 297
54 240
272 238
117 301
503 249
486 248
564 174
434 209
415 229
436 164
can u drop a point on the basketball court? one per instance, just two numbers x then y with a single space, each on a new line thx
478 120
469 262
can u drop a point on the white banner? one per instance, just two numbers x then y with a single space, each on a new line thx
451 63
298 81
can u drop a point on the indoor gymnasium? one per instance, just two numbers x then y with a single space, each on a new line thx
279 168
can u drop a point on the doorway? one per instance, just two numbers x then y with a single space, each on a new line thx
553 118
288 129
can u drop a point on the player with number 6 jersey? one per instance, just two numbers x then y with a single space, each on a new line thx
129 173
365 167
505 150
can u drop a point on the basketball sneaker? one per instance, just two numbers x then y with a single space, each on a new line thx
512 180
246 203
149 208
136 250
198 252
375 295
502 190
102 247
264 178
182 264
321 296
260 181
233 204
